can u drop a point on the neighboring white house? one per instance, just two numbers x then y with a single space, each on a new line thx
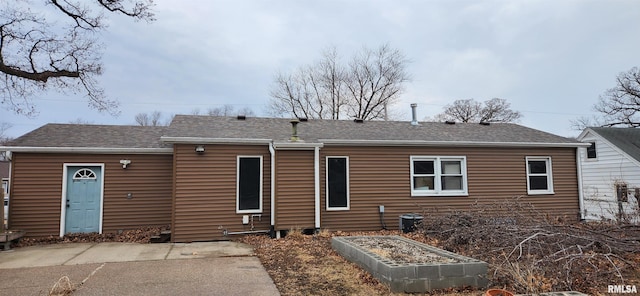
610 171
4 177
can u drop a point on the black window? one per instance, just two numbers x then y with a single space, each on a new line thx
249 184
337 183
591 151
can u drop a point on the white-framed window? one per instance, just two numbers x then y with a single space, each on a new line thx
539 175
249 184
5 187
337 189
438 175
591 151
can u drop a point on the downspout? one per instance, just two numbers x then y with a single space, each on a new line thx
316 166
8 157
272 151
580 194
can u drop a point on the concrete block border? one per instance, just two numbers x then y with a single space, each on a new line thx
414 277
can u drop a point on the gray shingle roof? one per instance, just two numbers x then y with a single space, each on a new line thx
627 139
83 135
279 129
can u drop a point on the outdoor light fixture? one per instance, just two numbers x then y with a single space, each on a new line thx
125 163
200 148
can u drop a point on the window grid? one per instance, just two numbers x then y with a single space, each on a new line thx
442 176
535 175
591 151
84 174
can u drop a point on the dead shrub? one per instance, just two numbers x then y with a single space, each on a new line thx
295 233
138 235
530 252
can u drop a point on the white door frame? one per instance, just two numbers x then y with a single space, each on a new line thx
63 200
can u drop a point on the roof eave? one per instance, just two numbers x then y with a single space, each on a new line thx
296 145
202 140
88 150
584 133
343 142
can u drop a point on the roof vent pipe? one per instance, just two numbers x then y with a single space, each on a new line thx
294 130
414 117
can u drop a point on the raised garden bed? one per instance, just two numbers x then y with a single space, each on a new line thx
409 266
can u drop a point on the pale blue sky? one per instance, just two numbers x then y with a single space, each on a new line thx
550 59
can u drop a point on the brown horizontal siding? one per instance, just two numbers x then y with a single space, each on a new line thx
37 183
205 192
381 176
295 193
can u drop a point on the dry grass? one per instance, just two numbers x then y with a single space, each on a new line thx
307 265
62 287
527 253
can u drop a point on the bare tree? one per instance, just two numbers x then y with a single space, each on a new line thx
620 105
470 110
229 110
150 119
314 91
57 49
4 126
371 82
80 121
375 82
583 122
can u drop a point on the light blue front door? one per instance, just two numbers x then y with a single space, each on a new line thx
83 199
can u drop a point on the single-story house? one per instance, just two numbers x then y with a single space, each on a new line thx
610 169
213 177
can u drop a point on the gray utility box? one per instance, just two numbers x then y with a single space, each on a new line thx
408 222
